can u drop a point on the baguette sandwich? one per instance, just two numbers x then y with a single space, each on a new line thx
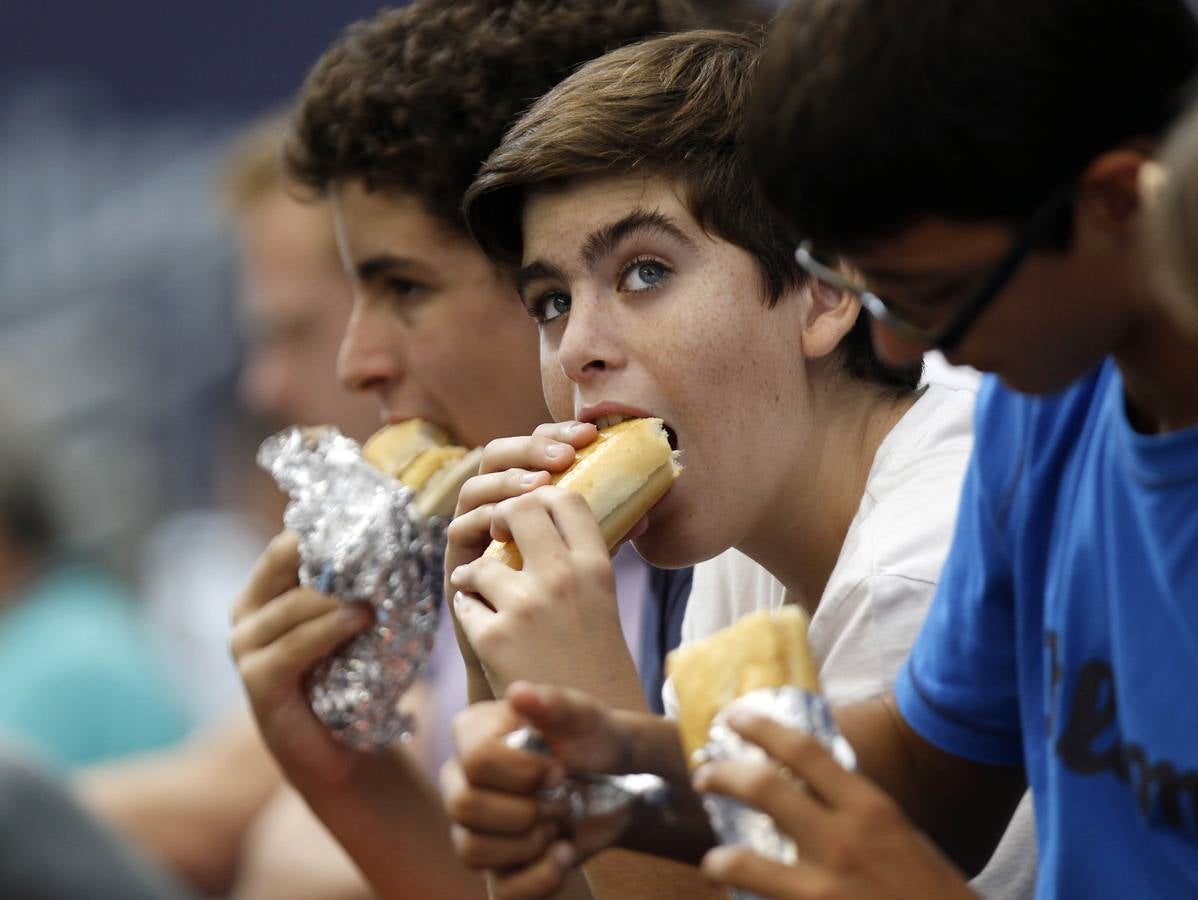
763 650
419 455
628 468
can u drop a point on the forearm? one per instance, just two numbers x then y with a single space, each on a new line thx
390 821
181 805
624 875
290 855
680 830
963 806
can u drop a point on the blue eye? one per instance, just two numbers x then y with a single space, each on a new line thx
552 306
643 275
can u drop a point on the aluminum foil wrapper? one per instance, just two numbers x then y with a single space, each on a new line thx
732 821
582 797
360 540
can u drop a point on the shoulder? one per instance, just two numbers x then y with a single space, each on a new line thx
904 525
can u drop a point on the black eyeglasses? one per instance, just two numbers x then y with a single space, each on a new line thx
947 334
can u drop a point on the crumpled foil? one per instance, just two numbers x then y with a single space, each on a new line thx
360 540
587 796
736 823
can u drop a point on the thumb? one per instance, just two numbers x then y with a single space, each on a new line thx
575 726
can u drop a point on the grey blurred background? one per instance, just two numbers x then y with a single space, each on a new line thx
117 340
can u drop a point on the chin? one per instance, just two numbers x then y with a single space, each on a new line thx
1041 382
668 546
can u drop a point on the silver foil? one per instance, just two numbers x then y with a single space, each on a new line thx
732 821
589 796
360 540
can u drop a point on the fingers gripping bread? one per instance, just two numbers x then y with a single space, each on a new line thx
622 475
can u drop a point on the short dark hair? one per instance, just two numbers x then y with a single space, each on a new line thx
869 116
415 98
671 107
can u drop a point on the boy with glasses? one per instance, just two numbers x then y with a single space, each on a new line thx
999 221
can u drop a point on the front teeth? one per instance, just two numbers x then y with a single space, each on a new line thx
607 421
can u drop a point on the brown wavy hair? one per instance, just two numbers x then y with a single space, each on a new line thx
673 108
415 98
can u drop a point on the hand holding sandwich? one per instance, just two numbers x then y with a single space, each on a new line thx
509 468
852 838
280 631
540 603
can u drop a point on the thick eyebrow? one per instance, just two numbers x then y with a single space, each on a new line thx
373 268
604 240
601 242
536 271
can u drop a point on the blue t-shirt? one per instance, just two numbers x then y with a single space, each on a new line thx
79 678
1064 635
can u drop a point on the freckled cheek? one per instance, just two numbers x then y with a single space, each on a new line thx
559 393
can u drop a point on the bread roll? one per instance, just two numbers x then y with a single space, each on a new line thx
418 454
622 475
762 650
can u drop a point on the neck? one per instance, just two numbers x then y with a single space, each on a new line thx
800 537
1158 359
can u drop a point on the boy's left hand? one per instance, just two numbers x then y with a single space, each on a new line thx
852 839
556 621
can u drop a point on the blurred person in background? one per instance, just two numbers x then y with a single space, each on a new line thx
250 836
293 304
80 679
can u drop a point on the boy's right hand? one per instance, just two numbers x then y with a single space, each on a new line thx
510 467
280 631
491 790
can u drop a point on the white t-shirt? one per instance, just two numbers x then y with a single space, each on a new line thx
879 591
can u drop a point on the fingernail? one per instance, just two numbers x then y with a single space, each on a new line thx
556 451
530 479
718 857
353 614
563 855
554 776
575 429
740 718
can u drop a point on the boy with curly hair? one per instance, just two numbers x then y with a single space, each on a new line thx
392 124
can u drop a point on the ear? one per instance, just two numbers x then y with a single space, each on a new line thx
1109 193
828 315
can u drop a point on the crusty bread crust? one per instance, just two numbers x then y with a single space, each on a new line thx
393 448
762 650
419 455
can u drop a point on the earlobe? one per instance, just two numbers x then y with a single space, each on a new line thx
829 315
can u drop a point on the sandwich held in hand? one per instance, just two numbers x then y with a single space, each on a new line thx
371 524
763 650
419 456
628 468
762 664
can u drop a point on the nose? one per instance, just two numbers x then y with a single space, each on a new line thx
892 349
371 354
592 341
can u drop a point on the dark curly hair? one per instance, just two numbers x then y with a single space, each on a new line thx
417 97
